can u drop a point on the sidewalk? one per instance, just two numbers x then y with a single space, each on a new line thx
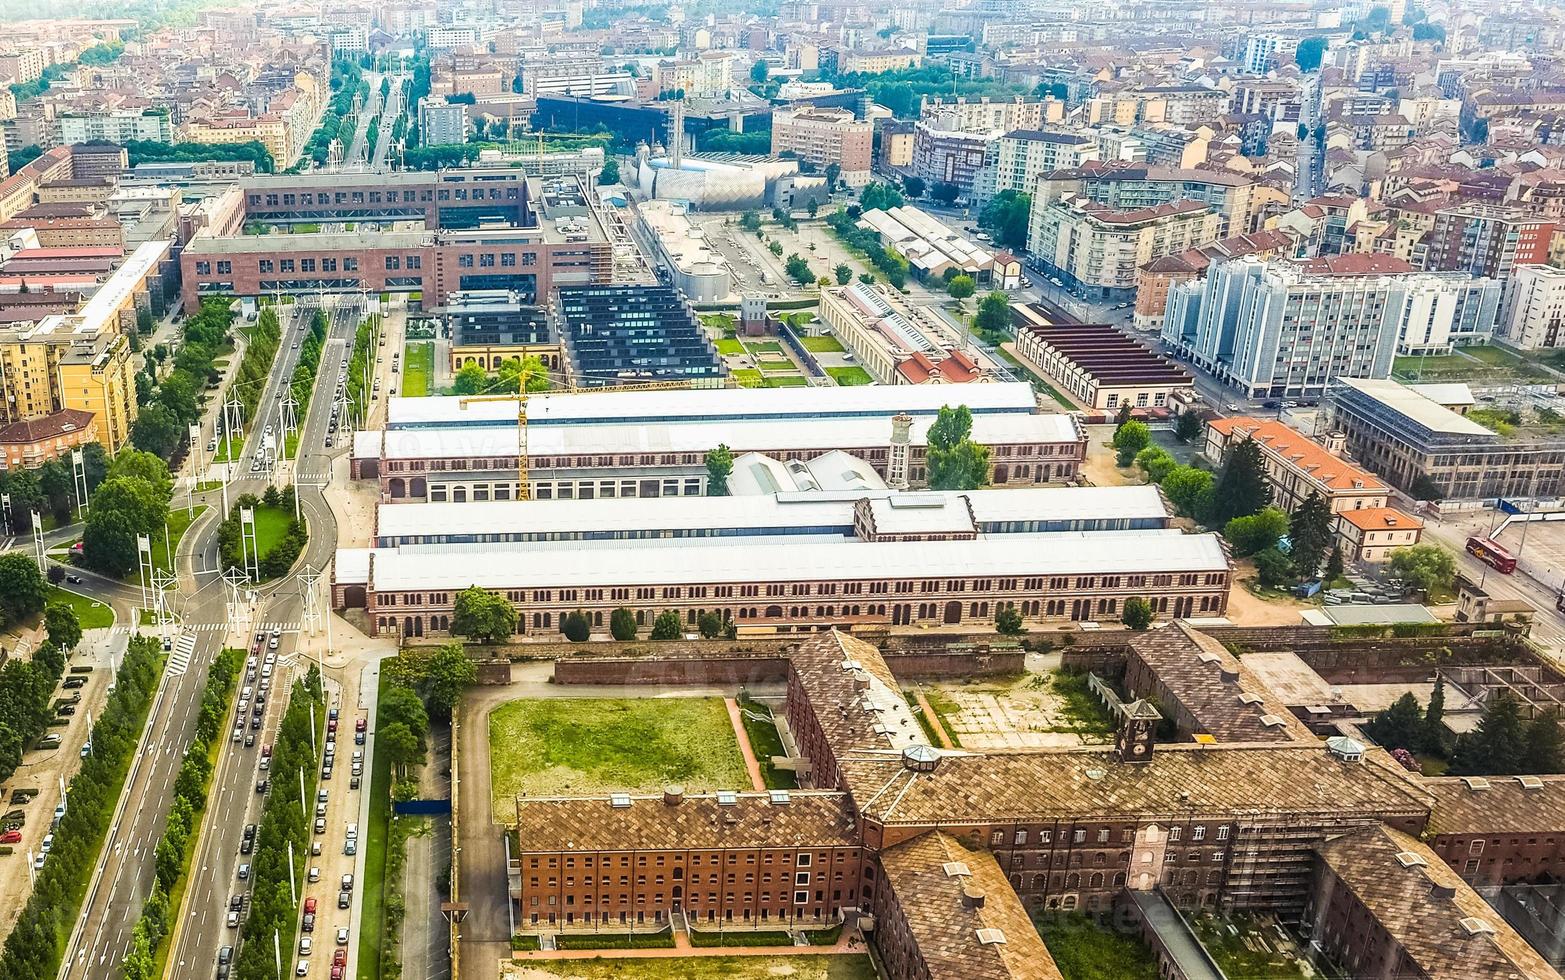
751 764
848 943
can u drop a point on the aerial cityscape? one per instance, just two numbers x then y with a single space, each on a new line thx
782 490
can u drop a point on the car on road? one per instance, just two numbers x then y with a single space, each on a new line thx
315 874
303 969
308 924
249 739
320 825
233 918
350 847
244 872
315 848
74 579
262 784
354 783
344 899
239 731
38 866
309 905
305 945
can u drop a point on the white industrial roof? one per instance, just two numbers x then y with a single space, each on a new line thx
1446 393
699 437
787 510
919 513
566 564
699 403
757 473
1404 400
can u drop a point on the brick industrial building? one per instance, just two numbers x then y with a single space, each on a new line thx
942 854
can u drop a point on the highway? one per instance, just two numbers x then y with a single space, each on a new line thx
388 120
125 872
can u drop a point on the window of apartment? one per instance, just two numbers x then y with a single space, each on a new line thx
1021 838
225 267
203 268
306 265
1199 833
393 262
464 261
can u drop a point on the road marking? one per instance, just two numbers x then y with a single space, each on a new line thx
179 659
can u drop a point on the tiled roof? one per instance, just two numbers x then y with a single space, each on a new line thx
1301 452
67 421
1086 785
1445 928
1227 701
937 883
1497 805
807 819
853 695
1381 519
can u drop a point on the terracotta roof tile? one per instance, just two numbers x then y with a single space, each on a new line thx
1300 452
1497 805
809 818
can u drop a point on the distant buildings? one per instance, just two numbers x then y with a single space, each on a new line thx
1098 248
116 126
1487 240
1015 160
440 122
825 137
888 340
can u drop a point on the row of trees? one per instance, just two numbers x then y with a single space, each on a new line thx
132 500
169 407
153 151
283 829
439 676
513 375
301 383
1503 743
170 858
49 488
27 686
279 558
358 364
347 83
34 947
488 617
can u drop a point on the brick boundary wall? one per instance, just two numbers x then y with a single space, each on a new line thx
731 670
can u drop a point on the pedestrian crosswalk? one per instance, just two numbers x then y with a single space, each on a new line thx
179 657
285 627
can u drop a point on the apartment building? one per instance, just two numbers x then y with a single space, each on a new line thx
1016 160
948 156
1282 330
1098 247
1488 240
825 136
441 123
58 364
1129 186
117 126
1534 310
985 114
873 62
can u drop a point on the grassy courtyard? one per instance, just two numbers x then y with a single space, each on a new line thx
583 746
271 523
1084 950
849 376
417 369
179 521
825 344
92 613
779 967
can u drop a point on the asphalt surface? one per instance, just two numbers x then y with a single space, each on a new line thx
125 873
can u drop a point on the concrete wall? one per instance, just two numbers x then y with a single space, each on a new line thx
728 669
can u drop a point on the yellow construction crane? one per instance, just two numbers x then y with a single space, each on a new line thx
523 488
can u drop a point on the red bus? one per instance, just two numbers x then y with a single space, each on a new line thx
1491 554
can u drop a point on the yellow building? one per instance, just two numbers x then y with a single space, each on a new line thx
59 363
270 131
101 378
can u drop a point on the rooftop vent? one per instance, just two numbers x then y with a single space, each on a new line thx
1410 860
1272 721
1095 774
1530 782
991 937
619 801
1207 657
672 795
1475 926
727 797
1476 783
1344 748
1250 697
1442 892
955 869
779 797
973 897
1227 675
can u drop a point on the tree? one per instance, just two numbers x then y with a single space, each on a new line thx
961 287
667 626
710 623
1242 488
609 175
1310 534
1005 216
1400 726
799 270
867 278
622 624
1428 32
401 748
878 195
1190 491
1157 463
1545 747
576 627
1424 488
1497 746
399 705
1256 532
1435 735
994 313
833 173
482 615
157 430
1187 425
23 591
1008 621
750 221
447 673
844 273
914 186
63 626
1130 439
953 460
109 543
470 379
775 247
1333 564
945 193
1137 614
759 71
146 466
1309 53
1272 567
719 467
1427 567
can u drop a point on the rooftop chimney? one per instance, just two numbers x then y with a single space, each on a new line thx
1229 676
972 897
673 795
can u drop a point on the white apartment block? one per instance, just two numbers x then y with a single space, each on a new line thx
116 126
1014 161
1533 317
1098 248
983 115
1260 53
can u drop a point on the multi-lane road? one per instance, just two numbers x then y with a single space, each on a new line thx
125 875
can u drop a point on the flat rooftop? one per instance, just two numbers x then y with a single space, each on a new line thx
313 241
713 404
1411 405
785 559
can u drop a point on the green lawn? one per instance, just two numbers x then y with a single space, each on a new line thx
417 368
179 521
582 746
748 378
92 613
1255 951
759 347
722 322
1468 363
729 347
765 743
1083 950
776 366
825 344
616 940
773 967
271 523
375 833
229 447
787 381
849 376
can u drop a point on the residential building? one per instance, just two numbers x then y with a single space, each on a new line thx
1015 160
873 62
1488 240
1373 534
32 442
1097 247
1131 186
1154 279
944 156
985 114
441 123
888 340
1281 330
1433 453
826 137
1097 364
116 126
60 363
1534 310
1260 53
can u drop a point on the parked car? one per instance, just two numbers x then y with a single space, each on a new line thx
11 837
309 905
